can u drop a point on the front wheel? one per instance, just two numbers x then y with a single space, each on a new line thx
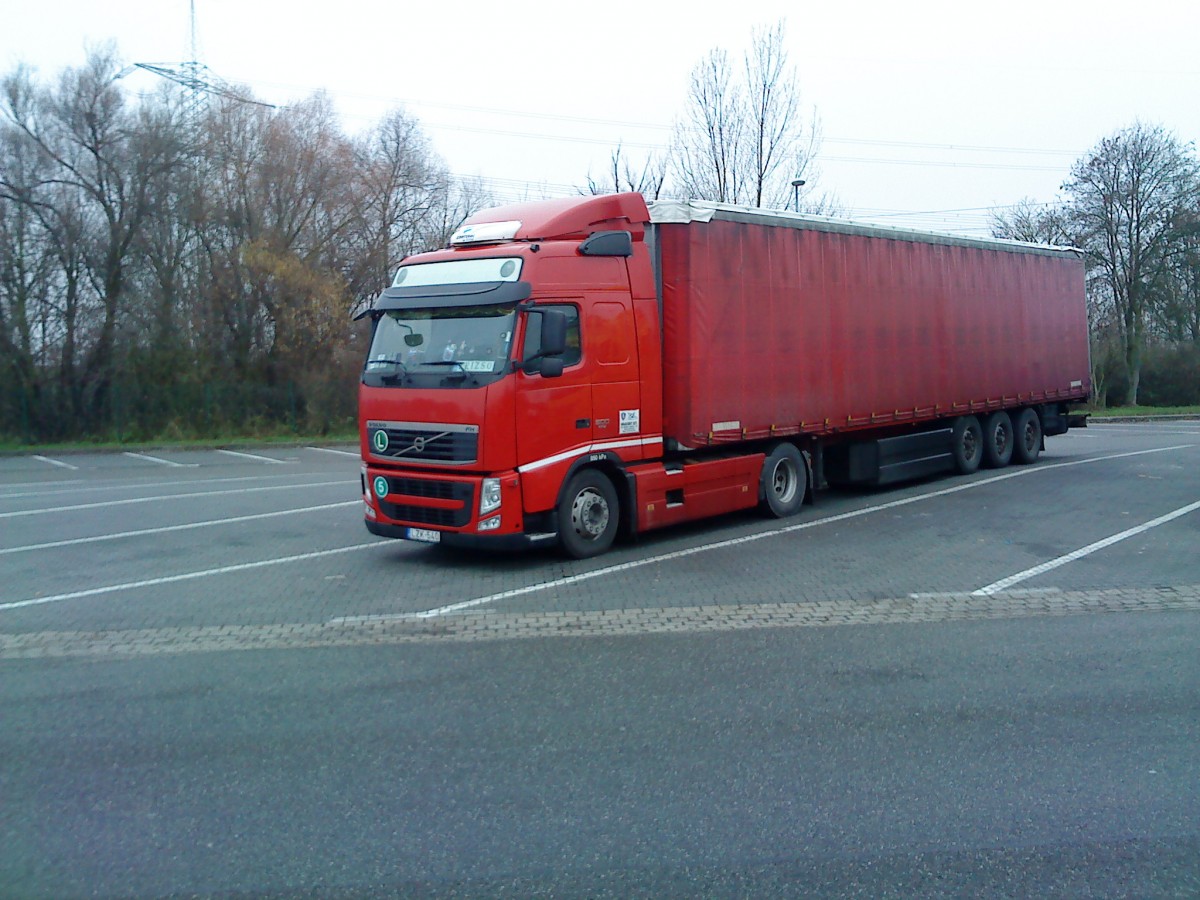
783 482
588 515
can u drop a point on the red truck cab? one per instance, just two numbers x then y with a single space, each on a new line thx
498 367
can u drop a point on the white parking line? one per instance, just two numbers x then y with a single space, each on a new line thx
188 576
56 462
256 457
250 490
161 461
355 453
1003 583
185 527
80 486
746 539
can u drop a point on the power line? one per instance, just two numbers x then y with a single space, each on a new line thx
650 126
874 160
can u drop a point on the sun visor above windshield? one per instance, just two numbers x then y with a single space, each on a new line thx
440 296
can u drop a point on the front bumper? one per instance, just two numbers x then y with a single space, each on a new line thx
398 500
474 541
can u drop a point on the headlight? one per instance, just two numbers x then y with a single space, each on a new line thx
489 496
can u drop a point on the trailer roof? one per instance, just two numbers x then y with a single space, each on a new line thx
678 212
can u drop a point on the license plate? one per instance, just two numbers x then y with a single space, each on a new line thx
424 534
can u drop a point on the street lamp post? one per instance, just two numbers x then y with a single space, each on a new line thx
796 185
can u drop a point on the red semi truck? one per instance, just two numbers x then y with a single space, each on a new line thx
572 370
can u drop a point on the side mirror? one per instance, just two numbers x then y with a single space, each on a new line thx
551 367
554 334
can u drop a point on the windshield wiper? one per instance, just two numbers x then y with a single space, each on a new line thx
381 368
461 373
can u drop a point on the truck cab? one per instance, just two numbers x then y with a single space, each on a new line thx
504 364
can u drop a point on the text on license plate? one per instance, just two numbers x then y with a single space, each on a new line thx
424 534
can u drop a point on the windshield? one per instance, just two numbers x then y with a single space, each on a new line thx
454 347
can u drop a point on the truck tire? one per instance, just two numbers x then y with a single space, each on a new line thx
997 440
783 482
588 514
1027 434
967 444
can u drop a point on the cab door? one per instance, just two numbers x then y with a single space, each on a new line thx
616 388
554 415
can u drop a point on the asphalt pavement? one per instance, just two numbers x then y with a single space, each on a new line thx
214 682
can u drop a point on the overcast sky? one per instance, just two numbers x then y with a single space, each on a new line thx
931 112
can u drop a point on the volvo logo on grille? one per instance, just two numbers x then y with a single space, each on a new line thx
420 443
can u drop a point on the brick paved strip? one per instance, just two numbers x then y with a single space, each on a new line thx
490 626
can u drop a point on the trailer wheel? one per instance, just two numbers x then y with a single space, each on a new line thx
998 440
783 482
588 514
1028 437
967 444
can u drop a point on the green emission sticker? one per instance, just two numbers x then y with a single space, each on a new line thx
381 486
379 441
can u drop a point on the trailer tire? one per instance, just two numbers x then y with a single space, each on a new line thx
783 483
588 514
967 444
998 440
1027 433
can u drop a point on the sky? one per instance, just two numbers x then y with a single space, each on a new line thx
932 113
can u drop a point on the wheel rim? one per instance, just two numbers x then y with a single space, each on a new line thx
784 481
589 514
969 444
1001 439
1031 437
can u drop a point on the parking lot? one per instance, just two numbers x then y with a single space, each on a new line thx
187 539
216 682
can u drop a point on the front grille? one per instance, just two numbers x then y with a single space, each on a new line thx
420 487
429 443
424 515
414 512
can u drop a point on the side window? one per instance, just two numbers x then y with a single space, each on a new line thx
533 336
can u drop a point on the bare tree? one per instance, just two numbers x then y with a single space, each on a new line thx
742 138
280 210
1131 200
1033 222
101 157
623 175
1177 318
401 189
709 146
458 198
